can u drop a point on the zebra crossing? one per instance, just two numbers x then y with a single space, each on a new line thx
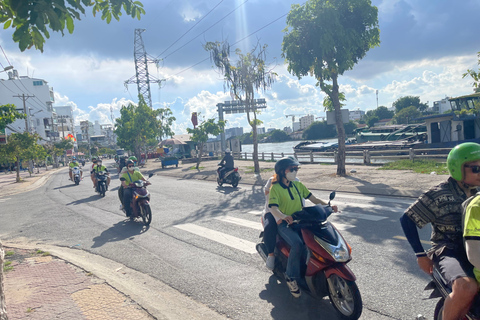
348 212
4 199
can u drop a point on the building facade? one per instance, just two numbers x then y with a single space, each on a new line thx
33 97
306 121
355 115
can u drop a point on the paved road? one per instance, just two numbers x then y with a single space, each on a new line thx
201 243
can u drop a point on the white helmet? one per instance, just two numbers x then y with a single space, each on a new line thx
227 150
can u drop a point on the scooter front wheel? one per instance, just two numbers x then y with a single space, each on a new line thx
345 297
438 314
146 213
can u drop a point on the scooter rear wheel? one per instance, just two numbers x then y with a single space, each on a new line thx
438 314
220 182
345 297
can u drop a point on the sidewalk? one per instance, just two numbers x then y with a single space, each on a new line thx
44 286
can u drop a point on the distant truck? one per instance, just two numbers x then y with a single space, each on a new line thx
120 152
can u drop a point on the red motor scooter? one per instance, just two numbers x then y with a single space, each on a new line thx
140 203
325 271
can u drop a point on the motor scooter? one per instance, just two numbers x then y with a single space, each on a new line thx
140 203
442 290
76 174
102 187
231 177
325 271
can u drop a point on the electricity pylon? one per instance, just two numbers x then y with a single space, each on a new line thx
142 78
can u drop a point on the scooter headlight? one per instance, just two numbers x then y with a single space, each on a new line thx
338 252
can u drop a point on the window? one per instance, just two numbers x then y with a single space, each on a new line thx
38 83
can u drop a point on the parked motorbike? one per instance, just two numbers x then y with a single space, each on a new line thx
140 203
76 174
231 177
101 177
325 271
442 290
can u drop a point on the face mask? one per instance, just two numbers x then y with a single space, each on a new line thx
99 164
130 168
291 175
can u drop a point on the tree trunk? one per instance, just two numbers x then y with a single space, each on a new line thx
18 169
199 155
3 305
340 129
256 164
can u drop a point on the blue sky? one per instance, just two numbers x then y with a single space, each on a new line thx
425 48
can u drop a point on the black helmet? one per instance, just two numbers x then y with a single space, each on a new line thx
129 162
284 163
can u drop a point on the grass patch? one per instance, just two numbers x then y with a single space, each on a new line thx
43 253
9 253
7 266
252 169
29 310
417 166
195 168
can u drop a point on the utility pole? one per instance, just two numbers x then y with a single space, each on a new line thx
27 119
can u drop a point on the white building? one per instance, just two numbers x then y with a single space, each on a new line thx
355 115
233 132
34 96
260 130
441 106
296 126
287 130
306 121
65 121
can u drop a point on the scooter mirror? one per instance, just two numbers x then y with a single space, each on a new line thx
332 195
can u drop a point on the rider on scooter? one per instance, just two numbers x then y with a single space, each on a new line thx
227 164
441 206
72 165
98 168
285 199
128 178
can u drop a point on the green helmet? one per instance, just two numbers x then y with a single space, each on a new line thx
461 154
133 158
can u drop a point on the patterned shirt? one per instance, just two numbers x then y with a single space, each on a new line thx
442 207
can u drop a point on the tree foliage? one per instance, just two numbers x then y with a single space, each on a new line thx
325 38
278 136
407 115
243 78
328 103
20 147
32 20
201 132
319 130
136 126
407 101
475 75
8 115
381 113
166 118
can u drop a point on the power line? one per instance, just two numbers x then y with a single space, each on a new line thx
207 29
251 34
192 27
5 56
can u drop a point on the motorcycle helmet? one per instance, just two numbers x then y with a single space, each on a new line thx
129 162
227 151
283 164
133 158
459 155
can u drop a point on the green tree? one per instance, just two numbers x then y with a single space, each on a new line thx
136 126
407 101
166 118
350 126
279 136
325 38
407 115
18 148
319 130
247 75
328 104
383 113
8 115
372 120
32 20
475 75
201 132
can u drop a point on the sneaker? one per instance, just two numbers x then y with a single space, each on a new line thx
294 289
271 262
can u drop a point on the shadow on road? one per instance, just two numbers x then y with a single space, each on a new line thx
285 306
89 199
65 186
119 231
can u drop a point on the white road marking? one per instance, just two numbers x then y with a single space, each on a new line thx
4 199
242 222
220 237
255 212
361 216
407 201
352 205
403 238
